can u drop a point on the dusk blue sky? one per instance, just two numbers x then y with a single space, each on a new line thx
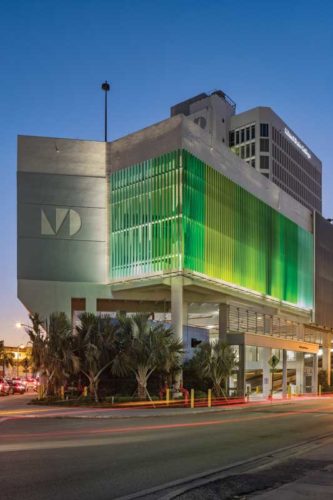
55 54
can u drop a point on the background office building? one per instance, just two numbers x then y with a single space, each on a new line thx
170 221
264 141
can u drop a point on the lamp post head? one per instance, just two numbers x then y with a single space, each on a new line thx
105 86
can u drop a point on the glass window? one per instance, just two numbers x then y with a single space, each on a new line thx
242 151
253 131
247 150
264 145
237 136
253 163
253 149
242 135
231 138
264 162
264 131
247 133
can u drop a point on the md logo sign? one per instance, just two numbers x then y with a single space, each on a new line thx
61 222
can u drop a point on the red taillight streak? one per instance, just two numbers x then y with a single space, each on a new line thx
85 432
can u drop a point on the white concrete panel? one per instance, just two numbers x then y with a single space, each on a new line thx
61 156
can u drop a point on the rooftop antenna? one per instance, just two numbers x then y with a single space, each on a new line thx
106 88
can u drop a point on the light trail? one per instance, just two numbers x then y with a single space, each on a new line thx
158 427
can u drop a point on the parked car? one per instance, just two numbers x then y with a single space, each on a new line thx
31 383
4 387
16 386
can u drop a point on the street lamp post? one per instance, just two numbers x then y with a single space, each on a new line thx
106 88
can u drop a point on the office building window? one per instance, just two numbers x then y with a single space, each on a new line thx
231 138
247 133
264 162
247 150
264 130
242 135
253 131
264 145
242 152
237 137
253 149
253 163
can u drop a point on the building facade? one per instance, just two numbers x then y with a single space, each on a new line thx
264 141
168 221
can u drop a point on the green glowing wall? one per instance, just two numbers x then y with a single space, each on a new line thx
175 212
145 217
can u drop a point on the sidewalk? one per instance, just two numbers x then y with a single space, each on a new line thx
314 484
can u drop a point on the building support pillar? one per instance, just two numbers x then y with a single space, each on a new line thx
300 372
223 322
284 373
177 317
327 357
241 370
315 374
91 305
266 372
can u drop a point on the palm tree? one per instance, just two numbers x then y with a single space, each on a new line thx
38 347
97 344
6 358
215 361
61 358
52 350
25 364
149 347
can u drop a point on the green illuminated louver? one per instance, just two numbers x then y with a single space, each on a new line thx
176 213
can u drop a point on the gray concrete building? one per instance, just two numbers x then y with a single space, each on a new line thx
169 220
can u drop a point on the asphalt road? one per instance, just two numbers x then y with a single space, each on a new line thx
47 457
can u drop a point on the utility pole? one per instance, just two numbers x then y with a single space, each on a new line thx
106 88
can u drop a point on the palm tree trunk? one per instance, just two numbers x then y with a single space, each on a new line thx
142 390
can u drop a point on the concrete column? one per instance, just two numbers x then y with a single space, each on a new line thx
177 307
284 373
266 372
300 371
91 305
223 322
241 371
315 374
177 312
327 357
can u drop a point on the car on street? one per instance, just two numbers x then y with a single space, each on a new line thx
16 386
4 387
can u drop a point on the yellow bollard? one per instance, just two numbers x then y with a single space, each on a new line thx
192 398
40 391
62 392
209 398
257 389
319 390
85 391
167 396
289 391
